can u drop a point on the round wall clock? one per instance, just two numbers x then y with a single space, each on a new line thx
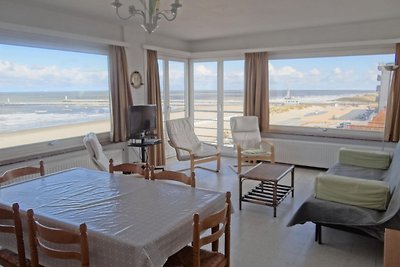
136 79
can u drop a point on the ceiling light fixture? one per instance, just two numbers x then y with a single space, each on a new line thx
151 12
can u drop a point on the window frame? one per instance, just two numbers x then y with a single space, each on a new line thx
220 91
26 152
329 132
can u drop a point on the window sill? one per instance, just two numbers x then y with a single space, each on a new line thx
326 133
46 149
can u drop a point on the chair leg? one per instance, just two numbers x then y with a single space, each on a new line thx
239 167
191 165
218 162
318 233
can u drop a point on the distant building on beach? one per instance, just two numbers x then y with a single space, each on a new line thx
383 88
290 100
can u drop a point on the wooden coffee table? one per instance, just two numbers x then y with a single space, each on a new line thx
268 192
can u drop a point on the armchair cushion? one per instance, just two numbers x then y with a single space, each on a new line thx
95 151
254 152
364 193
245 132
181 134
367 159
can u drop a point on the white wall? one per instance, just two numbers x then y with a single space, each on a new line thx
30 15
366 31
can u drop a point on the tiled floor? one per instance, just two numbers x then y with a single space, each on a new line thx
260 240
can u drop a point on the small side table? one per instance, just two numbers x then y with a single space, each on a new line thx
268 192
143 144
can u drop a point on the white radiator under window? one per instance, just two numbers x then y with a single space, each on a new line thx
313 154
66 161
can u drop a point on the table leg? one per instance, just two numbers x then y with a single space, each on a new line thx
240 193
293 182
275 185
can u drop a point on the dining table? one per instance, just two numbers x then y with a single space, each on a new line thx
131 221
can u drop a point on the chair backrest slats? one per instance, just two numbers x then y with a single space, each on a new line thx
56 235
174 176
130 168
22 171
39 233
213 237
7 228
214 219
59 254
213 222
15 226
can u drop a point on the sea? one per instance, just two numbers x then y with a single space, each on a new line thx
274 94
32 110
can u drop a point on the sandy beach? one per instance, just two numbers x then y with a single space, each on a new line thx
51 133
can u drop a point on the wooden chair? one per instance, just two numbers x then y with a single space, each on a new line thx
22 171
130 168
39 233
174 176
391 256
196 257
7 257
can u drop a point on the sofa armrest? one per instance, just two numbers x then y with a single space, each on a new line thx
364 193
364 158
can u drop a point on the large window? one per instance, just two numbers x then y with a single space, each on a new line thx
174 93
218 89
205 100
233 95
347 93
50 94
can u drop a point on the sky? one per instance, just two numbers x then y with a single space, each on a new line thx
27 69
328 73
35 69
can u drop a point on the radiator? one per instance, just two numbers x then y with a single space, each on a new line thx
66 161
313 154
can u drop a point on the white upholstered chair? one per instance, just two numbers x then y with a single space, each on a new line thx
95 151
247 140
188 147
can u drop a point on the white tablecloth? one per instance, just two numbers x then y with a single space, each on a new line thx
131 222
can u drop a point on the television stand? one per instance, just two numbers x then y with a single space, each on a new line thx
143 144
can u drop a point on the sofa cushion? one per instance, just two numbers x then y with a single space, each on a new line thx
353 191
367 159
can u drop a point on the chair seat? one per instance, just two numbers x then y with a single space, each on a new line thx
184 258
10 259
254 152
204 151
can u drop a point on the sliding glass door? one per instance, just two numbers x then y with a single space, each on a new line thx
206 106
174 92
217 96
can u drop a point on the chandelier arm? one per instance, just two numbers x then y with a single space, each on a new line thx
164 14
140 12
124 18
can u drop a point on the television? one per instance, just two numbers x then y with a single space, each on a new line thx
142 120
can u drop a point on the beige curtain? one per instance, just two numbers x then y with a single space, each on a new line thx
121 97
392 126
256 96
156 153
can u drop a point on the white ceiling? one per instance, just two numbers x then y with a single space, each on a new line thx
207 19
